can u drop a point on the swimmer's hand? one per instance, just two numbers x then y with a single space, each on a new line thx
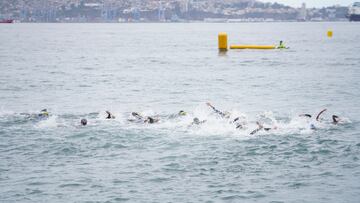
260 125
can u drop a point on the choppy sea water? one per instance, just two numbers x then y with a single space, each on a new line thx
81 70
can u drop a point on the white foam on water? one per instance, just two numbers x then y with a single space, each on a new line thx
213 123
5 112
51 122
216 125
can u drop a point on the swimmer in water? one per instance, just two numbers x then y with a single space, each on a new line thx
335 119
319 119
237 123
222 114
319 114
83 122
261 127
151 120
196 121
309 115
43 114
181 113
312 125
226 115
139 118
305 115
109 115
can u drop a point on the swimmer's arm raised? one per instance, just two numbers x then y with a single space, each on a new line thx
216 110
319 114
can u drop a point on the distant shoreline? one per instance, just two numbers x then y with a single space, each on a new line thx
190 22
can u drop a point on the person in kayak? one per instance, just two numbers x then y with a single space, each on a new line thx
281 45
109 115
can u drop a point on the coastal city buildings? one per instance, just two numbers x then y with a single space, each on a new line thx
302 13
162 11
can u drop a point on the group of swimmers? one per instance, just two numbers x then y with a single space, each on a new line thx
238 122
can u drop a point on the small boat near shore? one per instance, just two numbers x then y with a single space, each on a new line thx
354 12
7 21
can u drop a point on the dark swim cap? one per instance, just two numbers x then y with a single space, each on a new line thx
83 121
196 121
182 113
151 120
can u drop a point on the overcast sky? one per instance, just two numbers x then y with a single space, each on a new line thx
313 3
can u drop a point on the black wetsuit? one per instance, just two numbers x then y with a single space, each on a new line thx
222 114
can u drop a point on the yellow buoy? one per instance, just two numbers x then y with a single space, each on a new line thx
223 44
252 46
330 33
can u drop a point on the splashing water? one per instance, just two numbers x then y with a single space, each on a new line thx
79 71
213 124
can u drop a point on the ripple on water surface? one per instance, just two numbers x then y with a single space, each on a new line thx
56 160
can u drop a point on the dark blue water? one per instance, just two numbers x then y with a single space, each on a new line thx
80 70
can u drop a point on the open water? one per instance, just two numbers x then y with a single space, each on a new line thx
80 70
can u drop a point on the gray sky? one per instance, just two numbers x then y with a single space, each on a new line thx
313 3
